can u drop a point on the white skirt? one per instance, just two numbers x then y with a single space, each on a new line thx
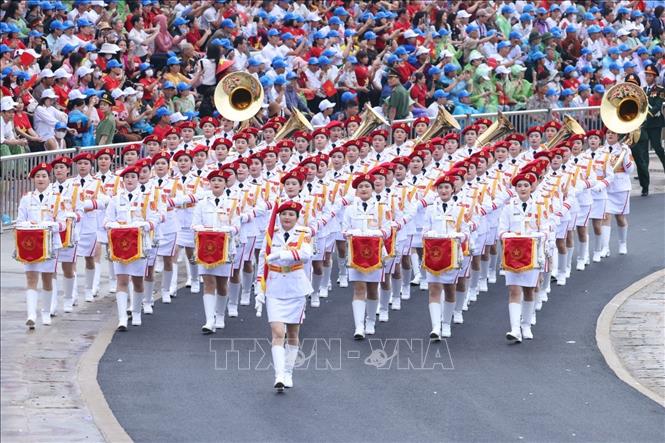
466 267
45 266
185 238
417 239
67 255
152 256
166 246
286 310
528 279
370 277
598 209
248 252
618 203
447 278
320 248
490 239
135 269
583 215
102 236
478 244
86 244
218 271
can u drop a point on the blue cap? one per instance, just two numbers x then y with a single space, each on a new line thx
334 21
313 61
600 89
566 92
526 17
392 58
449 67
440 93
340 11
191 115
613 50
273 32
287 36
349 32
570 29
35 33
323 60
379 15
262 14
319 35
614 66
369 35
608 30
503 44
55 25
515 35
228 23
328 53
555 8
593 29
588 16
656 50
629 64
401 50
443 32
624 47
113 64
23 75
280 80
180 21
623 10
551 92
507 9
7 71
46 6
583 87
541 10
352 59
90 92
144 66
83 22
253 62
642 50
367 16
463 93
588 70
585 51
537 55
225 43
173 61
528 8
568 69
67 49
349 96
266 81
66 25
272 19
4 48
90 47
332 34
594 9
60 125
570 10
291 75
432 71
161 112
279 63
471 28
168 85
636 13
59 6
182 86
491 33
556 32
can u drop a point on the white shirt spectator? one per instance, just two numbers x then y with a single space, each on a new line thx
269 52
65 39
208 18
239 60
138 37
7 130
433 110
45 120
597 48
320 120
313 79
578 102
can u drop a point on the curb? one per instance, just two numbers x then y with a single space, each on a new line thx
604 341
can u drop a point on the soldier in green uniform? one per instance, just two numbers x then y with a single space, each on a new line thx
651 129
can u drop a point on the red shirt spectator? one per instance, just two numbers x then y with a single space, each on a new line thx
110 82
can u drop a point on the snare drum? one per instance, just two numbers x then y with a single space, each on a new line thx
33 244
127 244
442 252
523 253
212 247
366 253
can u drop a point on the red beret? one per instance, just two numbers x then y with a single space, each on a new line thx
457 172
388 165
576 137
257 155
355 142
199 148
107 151
483 121
133 147
319 131
594 132
222 141
379 170
552 124
43 166
473 128
311 159
515 137
213 121
161 155
241 135
338 149
278 119
243 161
151 138
296 173
270 125
134 168
335 124
528 176
404 161
462 164
289 206
537 129
285 144
420 120
451 136
436 141
83 156
187 124
251 130
401 125
302 134
223 173
143 162
416 153
272 149
544 154
180 153
445 179
172 131
62 160
362 178
353 119
381 132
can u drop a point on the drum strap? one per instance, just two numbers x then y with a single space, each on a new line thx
56 207
75 195
307 208
494 183
458 222
116 184
588 169
539 214
144 209
348 183
266 191
99 186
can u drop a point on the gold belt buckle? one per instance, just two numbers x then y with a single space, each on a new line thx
286 269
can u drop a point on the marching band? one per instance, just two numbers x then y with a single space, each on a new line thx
268 216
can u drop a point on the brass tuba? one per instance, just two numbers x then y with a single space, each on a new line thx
442 122
569 127
624 108
238 96
370 121
500 128
297 122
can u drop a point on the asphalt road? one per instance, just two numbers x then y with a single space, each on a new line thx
165 381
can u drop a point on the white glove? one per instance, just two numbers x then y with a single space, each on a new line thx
198 227
244 218
375 232
259 300
274 256
87 204
70 215
112 225
145 225
23 224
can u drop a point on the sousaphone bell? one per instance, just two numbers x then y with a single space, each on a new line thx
238 96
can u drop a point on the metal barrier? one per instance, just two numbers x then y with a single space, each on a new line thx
14 169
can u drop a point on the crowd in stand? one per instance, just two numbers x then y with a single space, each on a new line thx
91 72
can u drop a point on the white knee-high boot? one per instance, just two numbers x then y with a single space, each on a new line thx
359 317
234 295
370 318
96 278
484 272
246 288
325 282
148 287
384 302
31 299
209 302
406 284
435 318
606 232
53 308
515 312
68 293
491 274
220 310
137 302
289 364
121 303
278 361
166 286
173 284
113 282
45 297
89 282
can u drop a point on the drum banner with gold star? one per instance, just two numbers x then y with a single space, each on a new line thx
125 244
440 254
519 254
33 245
211 248
390 242
365 253
66 235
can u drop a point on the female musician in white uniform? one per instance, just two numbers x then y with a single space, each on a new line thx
444 217
618 192
214 211
518 215
286 288
362 218
36 210
131 208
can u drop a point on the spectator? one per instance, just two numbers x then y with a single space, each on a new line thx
47 115
323 117
397 105
10 143
107 127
